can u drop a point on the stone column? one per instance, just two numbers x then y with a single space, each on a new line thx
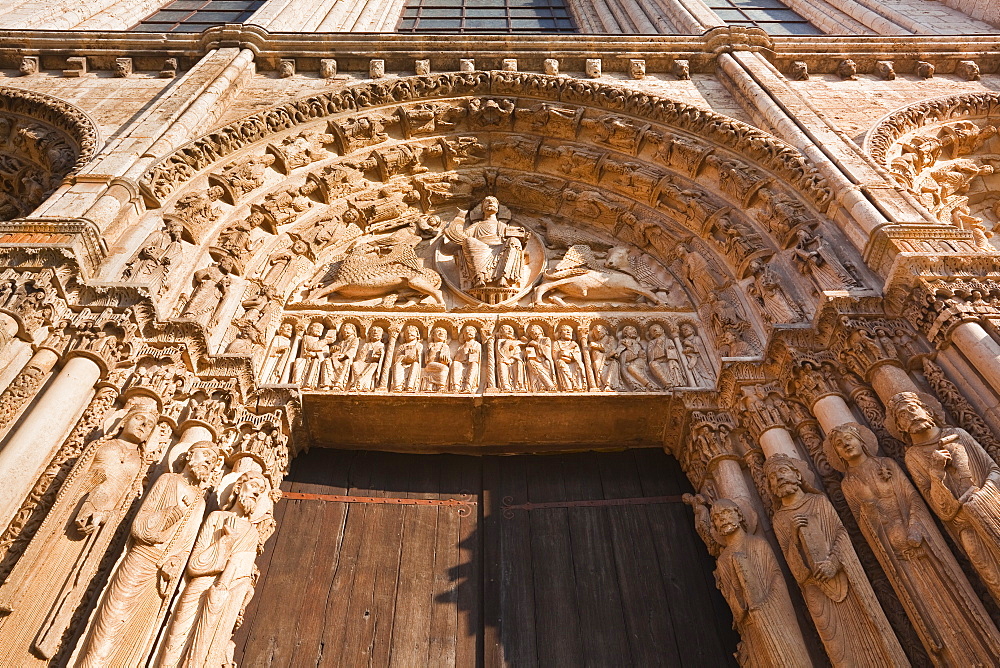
778 440
979 347
30 447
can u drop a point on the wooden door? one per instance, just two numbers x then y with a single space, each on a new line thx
583 559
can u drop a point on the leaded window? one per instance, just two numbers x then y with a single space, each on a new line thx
486 16
197 15
771 16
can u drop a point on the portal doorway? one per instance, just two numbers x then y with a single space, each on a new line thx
584 559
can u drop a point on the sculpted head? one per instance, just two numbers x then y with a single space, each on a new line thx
506 331
491 206
138 424
727 518
440 334
687 329
285 329
599 331
411 333
565 332
202 459
349 331
630 332
315 329
375 333
911 414
175 229
536 332
849 444
655 331
247 491
783 476
469 333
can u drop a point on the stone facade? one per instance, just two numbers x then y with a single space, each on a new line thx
774 257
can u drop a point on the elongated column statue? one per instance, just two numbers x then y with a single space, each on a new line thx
162 534
219 579
950 620
749 577
819 553
956 476
49 582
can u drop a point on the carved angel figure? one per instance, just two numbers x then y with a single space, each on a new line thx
816 257
950 620
774 301
820 556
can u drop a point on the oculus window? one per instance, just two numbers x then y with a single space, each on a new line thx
197 15
485 16
771 16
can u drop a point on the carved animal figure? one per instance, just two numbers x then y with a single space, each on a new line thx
579 274
378 268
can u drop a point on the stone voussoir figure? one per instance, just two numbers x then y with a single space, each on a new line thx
956 476
951 621
841 602
749 577
162 534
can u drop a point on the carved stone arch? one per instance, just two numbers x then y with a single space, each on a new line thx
946 153
42 141
281 195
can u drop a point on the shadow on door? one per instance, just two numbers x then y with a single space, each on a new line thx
584 559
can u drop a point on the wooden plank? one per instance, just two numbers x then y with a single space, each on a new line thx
490 547
331 468
602 621
517 593
557 625
469 646
389 536
647 616
277 637
443 640
411 624
355 534
685 567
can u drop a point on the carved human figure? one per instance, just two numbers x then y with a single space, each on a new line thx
538 360
211 288
816 257
152 261
409 361
663 358
510 360
305 369
437 363
749 577
951 621
335 370
602 357
366 367
219 579
162 534
43 592
631 356
822 560
696 270
492 249
774 301
568 360
465 367
959 480
277 355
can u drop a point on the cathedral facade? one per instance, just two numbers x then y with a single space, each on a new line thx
499 333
